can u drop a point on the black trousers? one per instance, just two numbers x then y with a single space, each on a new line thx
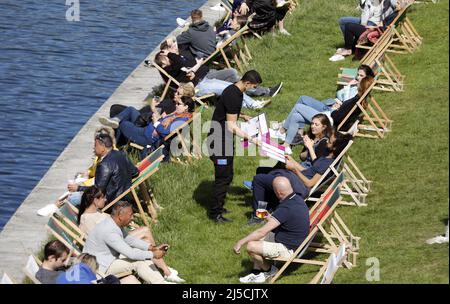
223 176
351 34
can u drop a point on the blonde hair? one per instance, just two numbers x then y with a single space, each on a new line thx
188 89
89 260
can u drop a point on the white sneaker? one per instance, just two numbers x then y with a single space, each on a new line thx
253 278
336 57
181 22
172 270
47 210
280 135
284 32
277 134
174 278
218 7
109 122
261 104
288 150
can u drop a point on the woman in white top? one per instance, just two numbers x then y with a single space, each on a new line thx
90 214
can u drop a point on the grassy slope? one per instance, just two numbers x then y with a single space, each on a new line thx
409 168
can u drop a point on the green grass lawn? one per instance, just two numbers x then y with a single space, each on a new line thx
409 169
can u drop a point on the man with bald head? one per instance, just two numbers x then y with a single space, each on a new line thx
284 231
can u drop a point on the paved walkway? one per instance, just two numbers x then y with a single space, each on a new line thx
25 232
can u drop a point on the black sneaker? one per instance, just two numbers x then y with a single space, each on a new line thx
221 220
254 220
298 140
274 90
225 211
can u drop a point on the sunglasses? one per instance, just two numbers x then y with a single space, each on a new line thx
180 104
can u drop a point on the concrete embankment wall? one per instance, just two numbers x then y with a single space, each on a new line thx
25 232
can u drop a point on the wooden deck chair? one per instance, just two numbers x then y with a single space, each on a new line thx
68 237
146 190
6 279
406 38
334 262
174 84
387 74
375 122
183 134
320 216
337 228
135 186
355 185
221 50
31 268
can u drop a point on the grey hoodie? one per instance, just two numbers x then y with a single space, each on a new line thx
201 38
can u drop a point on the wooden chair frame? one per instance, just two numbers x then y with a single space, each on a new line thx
171 80
138 183
178 135
27 273
323 215
355 185
328 271
374 118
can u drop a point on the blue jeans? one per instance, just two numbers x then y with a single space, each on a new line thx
127 128
263 191
229 75
302 113
216 86
345 20
75 198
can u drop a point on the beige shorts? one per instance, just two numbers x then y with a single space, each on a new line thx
274 250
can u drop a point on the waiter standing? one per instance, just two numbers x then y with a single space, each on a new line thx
221 140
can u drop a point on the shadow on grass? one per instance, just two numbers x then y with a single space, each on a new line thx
204 194
247 266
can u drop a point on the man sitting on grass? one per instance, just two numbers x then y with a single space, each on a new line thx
284 231
55 255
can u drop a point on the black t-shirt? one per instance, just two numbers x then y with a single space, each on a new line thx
177 62
339 114
230 102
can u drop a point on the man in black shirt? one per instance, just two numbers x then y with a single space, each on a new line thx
221 139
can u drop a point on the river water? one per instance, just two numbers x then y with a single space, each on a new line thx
55 74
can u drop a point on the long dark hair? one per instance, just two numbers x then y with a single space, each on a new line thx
363 86
87 199
367 70
324 120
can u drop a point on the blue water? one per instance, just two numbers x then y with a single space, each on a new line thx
55 74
